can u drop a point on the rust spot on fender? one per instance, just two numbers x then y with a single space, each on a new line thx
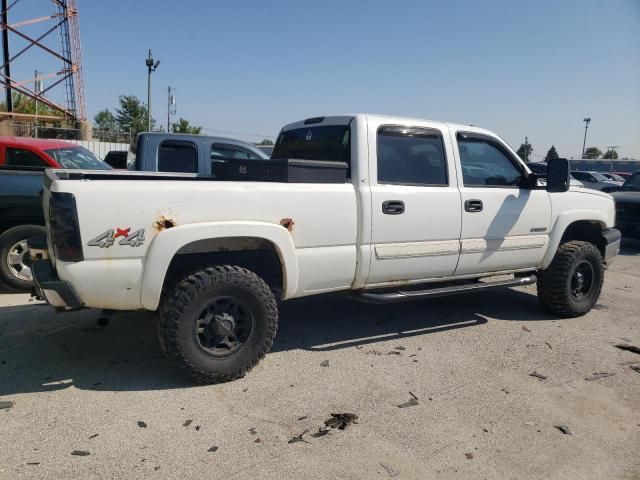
287 223
164 223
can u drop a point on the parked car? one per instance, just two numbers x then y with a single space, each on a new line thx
378 206
624 175
540 169
595 180
42 153
613 176
182 153
22 162
116 159
627 200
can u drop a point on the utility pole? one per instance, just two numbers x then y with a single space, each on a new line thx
526 149
151 67
37 88
5 56
171 107
586 126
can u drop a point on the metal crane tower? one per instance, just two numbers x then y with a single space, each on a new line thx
64 89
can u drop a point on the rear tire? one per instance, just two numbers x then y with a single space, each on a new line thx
218 323
15 263
571 285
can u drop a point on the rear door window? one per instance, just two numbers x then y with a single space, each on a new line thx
411 156
19 157
177 156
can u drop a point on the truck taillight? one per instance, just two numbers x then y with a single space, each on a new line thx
63 227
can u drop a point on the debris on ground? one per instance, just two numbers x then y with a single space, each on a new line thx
629 348
322 431
373 352
103 322
410 403
625 339
80 453
524 327
6 404
94 436
564 429
394 352
253 431
257 440
324 363
597 375
469 455
33 463
390 471
187 423
304 417
505 390
298 438
538 375
400 347
141 424
549 345
635 367
341 420
213 449
198 428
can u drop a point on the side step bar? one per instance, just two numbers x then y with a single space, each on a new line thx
406 296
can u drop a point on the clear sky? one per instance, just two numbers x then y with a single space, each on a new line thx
533 68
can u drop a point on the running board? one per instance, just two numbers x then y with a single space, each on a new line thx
408 295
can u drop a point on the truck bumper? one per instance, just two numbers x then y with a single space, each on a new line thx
56 292
611 238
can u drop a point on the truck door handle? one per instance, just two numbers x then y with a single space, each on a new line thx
393 207
473 205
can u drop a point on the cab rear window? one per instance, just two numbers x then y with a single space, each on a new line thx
328 143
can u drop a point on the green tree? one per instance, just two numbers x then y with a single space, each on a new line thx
105 121
525 152
611 154
265 141
183 126
551 154
592 153
24 104
131 116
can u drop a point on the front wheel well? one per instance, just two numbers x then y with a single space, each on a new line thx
586 231
255 254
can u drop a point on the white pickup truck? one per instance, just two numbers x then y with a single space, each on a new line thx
424 209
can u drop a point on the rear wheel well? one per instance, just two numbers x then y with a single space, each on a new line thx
586 231
255 254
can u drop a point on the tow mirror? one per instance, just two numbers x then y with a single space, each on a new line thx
558 179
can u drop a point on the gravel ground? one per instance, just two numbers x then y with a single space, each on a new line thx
77 386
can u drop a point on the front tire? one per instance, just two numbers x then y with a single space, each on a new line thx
571 285
15 263
218 323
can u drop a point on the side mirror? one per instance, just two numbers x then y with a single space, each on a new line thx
558 179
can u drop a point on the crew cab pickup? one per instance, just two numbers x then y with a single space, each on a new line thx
423 209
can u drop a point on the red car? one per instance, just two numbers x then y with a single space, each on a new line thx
36 152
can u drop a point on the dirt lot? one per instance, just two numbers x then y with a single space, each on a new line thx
468 360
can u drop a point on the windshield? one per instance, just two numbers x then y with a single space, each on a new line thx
600 177
329 143
77 158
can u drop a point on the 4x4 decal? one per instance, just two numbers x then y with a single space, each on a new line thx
108 238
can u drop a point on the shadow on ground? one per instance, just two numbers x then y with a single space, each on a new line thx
43 351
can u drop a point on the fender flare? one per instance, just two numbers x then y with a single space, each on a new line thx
563 222
168 242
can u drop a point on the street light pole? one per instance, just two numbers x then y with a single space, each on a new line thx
584 142
151 67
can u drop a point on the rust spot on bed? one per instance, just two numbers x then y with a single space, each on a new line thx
164 223
287 223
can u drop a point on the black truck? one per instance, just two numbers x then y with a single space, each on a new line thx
21 216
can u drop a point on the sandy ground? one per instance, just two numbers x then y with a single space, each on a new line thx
468 360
